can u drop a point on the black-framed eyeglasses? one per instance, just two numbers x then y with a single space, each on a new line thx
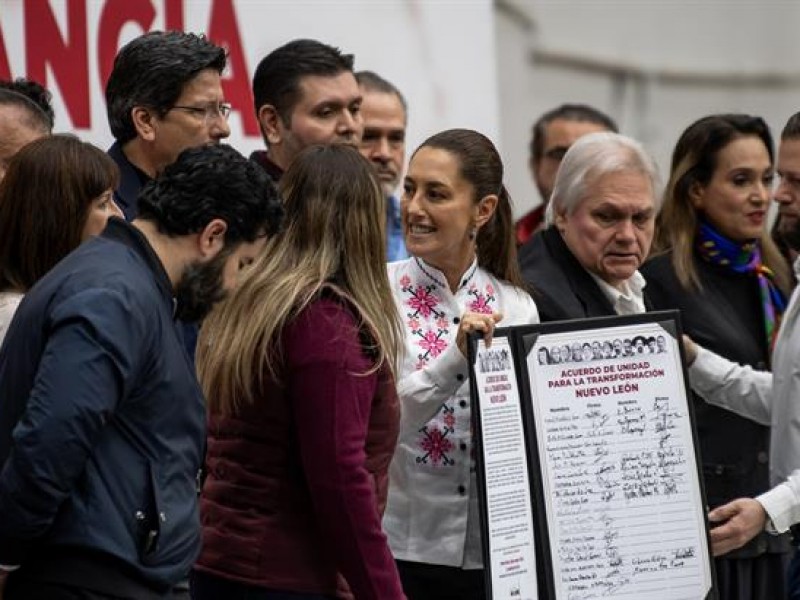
208 112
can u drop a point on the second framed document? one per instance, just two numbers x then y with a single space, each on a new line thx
587 466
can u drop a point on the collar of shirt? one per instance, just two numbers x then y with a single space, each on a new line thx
125 233
434 275
630 299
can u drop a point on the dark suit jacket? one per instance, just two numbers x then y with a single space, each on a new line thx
562 288
131 181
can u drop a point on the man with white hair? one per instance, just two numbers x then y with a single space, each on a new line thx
600 225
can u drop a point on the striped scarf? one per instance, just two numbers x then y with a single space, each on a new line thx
744 258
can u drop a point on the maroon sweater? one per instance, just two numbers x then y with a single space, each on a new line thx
297 481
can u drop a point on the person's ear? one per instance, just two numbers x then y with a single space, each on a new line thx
559 218
485 209
212 238
144 122
697 195
271 124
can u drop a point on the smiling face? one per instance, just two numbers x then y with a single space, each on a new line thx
736 199
439 211
611 229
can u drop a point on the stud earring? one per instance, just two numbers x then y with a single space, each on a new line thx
473 233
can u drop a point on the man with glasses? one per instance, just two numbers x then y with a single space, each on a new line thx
553 133
164 95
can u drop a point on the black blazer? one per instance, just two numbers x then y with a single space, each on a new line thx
561 287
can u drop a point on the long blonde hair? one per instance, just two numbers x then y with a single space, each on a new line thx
332 238
694 161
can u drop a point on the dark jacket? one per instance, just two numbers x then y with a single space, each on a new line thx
131 181
562 288
107 417
725 316
270 168
297 481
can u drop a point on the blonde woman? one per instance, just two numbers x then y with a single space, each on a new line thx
298 370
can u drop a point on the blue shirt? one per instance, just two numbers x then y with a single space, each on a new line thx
395 241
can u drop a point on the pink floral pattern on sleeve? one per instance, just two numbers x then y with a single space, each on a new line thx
482 302
427 323
431 319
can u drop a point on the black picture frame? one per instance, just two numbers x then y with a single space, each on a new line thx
521 340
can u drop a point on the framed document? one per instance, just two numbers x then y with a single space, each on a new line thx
587 469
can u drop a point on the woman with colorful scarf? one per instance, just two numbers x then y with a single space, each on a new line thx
716 263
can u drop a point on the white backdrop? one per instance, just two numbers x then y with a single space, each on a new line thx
440 54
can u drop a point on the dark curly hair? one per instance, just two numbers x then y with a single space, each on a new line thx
212 182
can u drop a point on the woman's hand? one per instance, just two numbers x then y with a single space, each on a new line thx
471 322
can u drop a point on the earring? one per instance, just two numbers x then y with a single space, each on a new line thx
473 233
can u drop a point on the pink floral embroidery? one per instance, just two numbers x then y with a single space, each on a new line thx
433 343
482 303
436 445
425 321
479 305
434 442
423 302
450 420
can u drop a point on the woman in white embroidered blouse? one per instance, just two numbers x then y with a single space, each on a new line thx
462 277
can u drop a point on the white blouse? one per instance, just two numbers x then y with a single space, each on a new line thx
432 511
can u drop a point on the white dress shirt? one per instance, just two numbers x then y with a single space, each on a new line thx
627 300
432 511
770 399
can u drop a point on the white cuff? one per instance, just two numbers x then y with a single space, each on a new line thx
9 568
782 508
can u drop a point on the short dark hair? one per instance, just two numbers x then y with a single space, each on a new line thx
582 113
44 203
38 94
34 118
212 182
372 82
152 71
791 130
277 77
